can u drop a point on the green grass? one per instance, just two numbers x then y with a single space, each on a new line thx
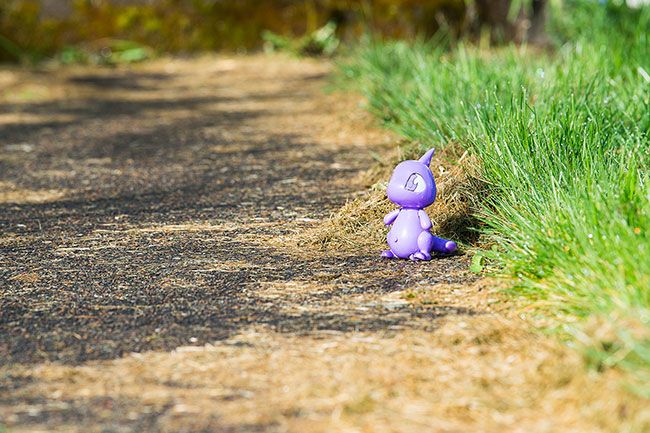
563 142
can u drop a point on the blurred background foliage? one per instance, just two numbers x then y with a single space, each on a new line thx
114 31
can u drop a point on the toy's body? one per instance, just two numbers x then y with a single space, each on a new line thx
412 186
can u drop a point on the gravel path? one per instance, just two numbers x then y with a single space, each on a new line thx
140 206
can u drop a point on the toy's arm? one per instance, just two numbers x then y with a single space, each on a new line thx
425 221
390 217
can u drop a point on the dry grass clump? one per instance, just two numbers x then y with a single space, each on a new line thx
356 225
359 224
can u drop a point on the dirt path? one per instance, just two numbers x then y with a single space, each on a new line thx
143 287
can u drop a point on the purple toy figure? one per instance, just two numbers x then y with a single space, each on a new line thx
412 187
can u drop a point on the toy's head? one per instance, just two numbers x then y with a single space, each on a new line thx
412 184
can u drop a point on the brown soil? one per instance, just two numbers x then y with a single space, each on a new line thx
155 275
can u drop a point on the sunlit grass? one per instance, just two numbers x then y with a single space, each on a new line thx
563 142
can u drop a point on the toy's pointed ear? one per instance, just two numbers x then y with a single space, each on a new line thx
426 158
